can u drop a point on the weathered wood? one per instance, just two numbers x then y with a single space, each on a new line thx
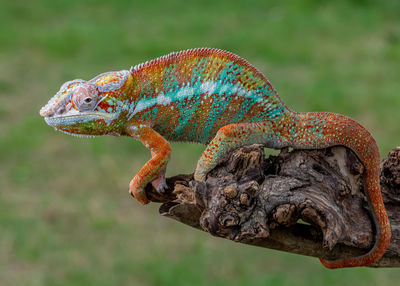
309 202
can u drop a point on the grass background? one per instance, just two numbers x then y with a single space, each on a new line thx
65 214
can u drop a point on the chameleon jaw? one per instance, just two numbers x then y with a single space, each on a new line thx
83 117
76 134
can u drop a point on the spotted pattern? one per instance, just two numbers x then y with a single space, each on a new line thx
203 87
213 97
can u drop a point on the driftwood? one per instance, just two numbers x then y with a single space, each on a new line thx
309 202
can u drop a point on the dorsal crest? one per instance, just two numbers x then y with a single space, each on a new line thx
215 55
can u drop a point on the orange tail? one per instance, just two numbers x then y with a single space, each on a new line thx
321 130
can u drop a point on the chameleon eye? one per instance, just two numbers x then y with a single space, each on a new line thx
85 97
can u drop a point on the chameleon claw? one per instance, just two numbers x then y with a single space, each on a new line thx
159 183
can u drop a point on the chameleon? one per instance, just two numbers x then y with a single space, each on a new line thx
213 97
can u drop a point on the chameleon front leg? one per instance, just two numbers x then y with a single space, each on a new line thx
230 137
154 170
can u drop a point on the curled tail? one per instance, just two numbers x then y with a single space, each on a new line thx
321 130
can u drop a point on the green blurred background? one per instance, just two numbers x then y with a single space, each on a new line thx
65 214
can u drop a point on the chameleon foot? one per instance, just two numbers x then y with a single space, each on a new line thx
137 192
200 176
160 184
228 138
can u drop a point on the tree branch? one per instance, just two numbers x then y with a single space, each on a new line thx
309 202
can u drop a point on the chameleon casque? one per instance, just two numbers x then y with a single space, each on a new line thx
212 97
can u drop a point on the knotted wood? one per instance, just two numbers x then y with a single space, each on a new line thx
309 202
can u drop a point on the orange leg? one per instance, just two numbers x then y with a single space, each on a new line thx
230 137
154 169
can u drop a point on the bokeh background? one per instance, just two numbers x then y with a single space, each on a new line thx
65 214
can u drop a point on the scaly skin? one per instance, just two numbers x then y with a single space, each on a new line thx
216 98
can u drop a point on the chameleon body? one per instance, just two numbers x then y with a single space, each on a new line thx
213 97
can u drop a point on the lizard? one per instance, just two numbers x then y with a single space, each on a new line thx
213 97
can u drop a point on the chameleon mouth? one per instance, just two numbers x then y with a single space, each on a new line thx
65 120
76 135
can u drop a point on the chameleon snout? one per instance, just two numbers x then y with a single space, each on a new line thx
51 111
56 106
45 112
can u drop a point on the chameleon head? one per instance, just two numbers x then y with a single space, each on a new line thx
89 107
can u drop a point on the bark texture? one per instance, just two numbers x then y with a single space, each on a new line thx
309 202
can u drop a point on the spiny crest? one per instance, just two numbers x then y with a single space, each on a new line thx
175 56
181 56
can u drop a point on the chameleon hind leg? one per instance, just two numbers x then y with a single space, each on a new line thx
154 170
230 137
